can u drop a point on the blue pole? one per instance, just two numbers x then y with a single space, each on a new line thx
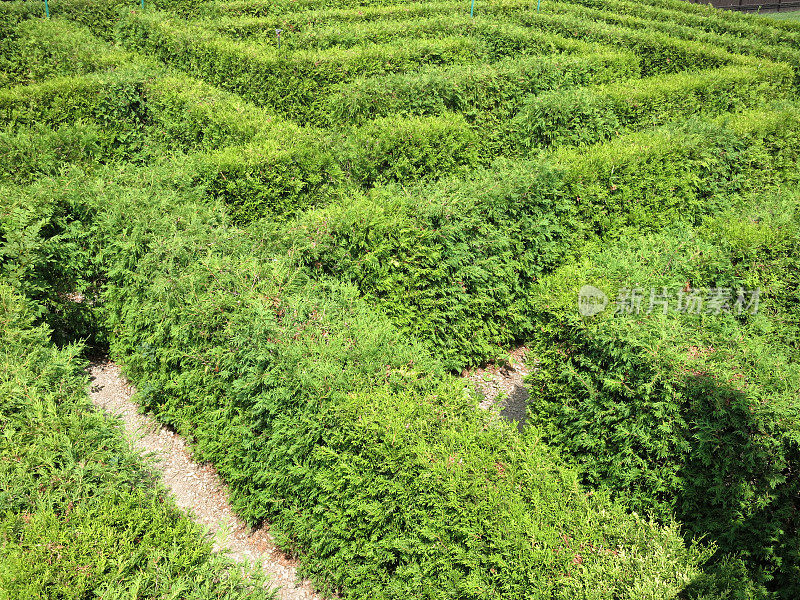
538 5
472 10
142 4
46 9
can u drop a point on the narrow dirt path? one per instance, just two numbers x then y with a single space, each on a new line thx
503 385
196 488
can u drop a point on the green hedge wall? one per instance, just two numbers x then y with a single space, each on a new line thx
49 48
733 22
98 15
344 432
657 52
693 415
498 40
271 167
79 515
757 41
455 263
590 114
279 170
286 82
487 96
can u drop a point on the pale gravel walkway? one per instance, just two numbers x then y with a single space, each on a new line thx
196 488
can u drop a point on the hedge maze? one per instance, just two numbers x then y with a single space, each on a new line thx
294 222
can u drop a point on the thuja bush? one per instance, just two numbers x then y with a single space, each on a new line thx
312 30
346 433
273 166
751 43
81 516
110 101
407 149
27 152
658 53
287 82
747 24
455 262
142 112
324 13
685 414
488 95
98 15
740 26
49 48
48 254
589 114
498 39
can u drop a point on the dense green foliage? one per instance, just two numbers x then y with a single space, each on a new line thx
291 243
267 372
79 515
691 414
458 264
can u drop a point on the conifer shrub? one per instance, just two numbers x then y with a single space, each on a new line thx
367 459
268 166
590 114
49 254
488 95
98 15
287 82
407 149
455 263
751 43
80 516
658 53
27 152
498 39
43 49
699 16
687 415
111 102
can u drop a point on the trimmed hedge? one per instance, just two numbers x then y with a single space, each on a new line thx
367 459
658 53
751 44
79 515
498 39
112 102
48 257
286 82
693 415
590 114
50 48
455 264
744 24
280 168
270 179
28 152
98 15
325 12
487 95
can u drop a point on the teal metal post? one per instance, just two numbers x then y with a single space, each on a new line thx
142 4
472 10
46 9
538 5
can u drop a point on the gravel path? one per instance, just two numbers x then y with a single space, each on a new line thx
502 386
196 488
